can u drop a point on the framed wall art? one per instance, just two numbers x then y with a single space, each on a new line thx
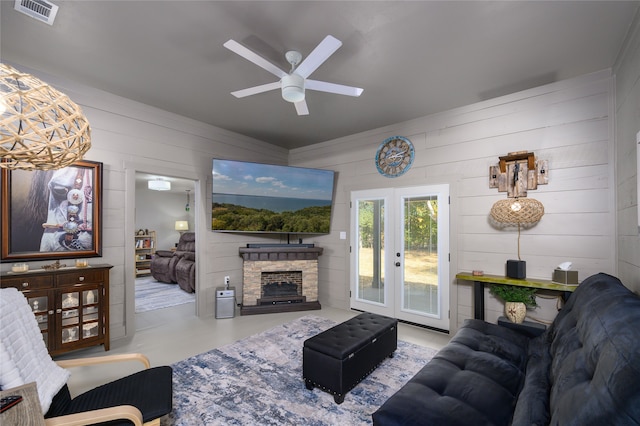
53 214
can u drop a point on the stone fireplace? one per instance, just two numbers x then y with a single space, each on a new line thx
279 278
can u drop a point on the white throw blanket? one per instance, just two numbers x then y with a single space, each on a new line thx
23 355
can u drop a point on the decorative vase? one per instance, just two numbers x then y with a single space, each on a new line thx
515 311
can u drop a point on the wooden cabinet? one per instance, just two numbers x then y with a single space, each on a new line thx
145 249
71 305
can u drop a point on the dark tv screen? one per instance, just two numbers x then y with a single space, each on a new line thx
255 197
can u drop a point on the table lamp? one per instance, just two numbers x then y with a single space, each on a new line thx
182 226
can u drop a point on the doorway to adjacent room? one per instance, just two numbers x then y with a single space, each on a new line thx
164 211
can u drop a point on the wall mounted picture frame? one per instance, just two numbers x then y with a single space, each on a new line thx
53 214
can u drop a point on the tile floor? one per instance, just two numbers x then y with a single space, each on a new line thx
172 334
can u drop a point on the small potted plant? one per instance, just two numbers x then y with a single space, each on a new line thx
516 300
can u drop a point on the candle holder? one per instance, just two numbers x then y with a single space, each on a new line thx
20 267
82 263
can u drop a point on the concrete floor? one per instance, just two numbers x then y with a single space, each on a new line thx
173 334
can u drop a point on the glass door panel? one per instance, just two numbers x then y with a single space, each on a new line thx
371 251
420 284
39 303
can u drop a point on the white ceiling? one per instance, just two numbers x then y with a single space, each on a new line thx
412 58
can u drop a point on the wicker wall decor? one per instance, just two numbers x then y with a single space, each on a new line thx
41 128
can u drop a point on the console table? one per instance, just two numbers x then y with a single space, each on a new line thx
479 282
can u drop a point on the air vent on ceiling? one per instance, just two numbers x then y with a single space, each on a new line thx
41 10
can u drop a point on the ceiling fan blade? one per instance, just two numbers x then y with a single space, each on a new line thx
323 86
317 57
251 56
255 90
301 107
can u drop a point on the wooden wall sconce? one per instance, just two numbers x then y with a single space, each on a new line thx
517 173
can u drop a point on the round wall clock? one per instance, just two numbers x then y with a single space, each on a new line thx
395 156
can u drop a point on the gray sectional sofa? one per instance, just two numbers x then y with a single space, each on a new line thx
583 370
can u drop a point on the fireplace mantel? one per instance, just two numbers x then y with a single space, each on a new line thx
279 258
284 252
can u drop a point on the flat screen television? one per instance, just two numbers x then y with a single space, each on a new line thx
255 197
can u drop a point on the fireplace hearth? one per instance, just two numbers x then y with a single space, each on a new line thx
279 279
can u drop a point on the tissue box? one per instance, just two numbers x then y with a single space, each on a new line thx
565 277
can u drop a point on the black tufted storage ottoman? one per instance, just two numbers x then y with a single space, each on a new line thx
339 358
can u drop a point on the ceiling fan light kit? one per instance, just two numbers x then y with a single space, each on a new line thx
292 88
294 83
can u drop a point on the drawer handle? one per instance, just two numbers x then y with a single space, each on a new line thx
25 285
80 279
50 312
58 311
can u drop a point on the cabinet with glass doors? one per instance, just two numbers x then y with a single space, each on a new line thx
71 306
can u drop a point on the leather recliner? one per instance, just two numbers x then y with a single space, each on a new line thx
177 266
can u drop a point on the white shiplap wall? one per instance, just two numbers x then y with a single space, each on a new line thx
627 70
567 123
127 137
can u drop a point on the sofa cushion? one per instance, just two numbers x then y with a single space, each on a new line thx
475 379
595 346
187 242
149 390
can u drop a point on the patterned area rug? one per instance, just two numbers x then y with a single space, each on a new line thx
258 381
151 294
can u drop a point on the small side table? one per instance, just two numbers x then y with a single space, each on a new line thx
26 413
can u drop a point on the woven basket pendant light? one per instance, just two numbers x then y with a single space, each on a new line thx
40 127
518 211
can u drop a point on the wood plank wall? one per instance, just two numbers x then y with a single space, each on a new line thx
627 71
566 123
127 137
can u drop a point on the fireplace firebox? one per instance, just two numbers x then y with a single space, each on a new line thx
281 287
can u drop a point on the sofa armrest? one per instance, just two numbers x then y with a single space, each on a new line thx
527 328
187 255
164 253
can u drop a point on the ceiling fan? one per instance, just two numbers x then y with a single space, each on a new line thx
294 83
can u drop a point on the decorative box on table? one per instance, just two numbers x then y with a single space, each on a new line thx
565 277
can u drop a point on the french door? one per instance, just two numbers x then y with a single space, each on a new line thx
400 253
